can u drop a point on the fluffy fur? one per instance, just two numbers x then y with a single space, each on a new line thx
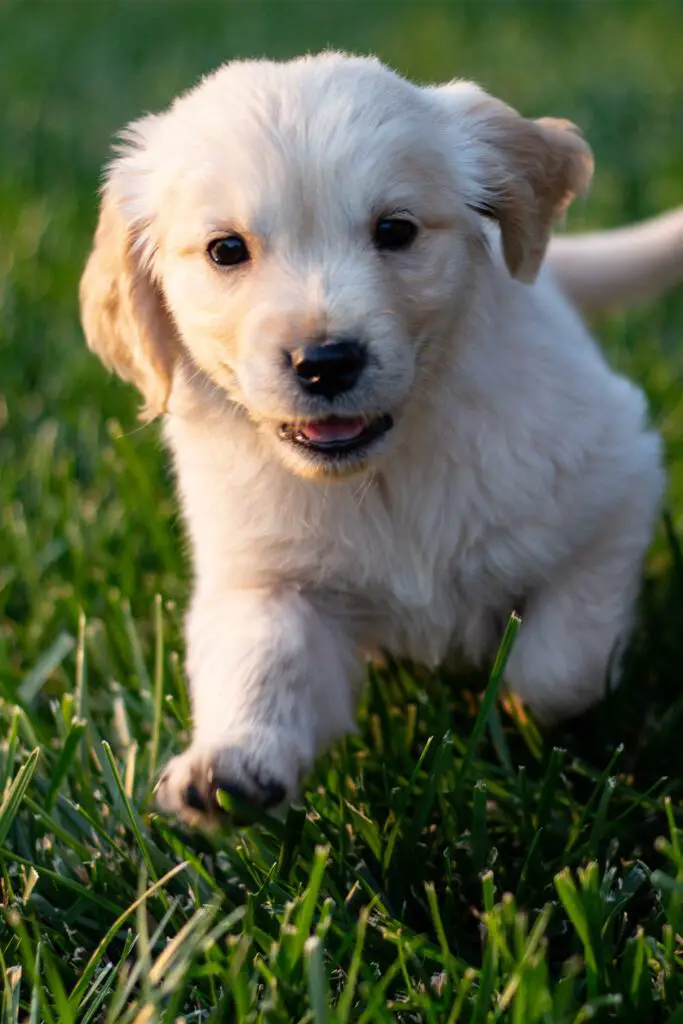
520 471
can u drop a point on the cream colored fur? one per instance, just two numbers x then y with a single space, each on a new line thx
520 472
599 270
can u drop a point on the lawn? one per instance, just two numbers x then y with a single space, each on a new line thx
449 863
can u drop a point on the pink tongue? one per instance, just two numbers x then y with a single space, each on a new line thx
333 429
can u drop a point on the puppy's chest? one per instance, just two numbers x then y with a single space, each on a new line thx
408 553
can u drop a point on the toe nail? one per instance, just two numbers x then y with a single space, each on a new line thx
160 782
194 799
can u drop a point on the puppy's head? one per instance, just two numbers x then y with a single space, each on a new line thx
301 236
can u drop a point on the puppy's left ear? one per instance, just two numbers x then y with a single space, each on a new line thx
522 173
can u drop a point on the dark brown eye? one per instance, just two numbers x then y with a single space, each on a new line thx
228 251
392 233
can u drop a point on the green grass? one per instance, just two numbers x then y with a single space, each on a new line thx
449 863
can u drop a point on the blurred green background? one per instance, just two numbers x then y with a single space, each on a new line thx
86 509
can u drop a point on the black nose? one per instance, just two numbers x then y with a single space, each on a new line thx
329 368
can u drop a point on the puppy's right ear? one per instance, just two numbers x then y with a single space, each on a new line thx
123 312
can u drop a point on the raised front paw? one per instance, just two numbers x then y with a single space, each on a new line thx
263 770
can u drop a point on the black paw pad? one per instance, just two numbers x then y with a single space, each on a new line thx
263 795
272 794
194 799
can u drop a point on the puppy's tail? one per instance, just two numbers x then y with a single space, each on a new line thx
618 268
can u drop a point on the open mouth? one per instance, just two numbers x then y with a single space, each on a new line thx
335 436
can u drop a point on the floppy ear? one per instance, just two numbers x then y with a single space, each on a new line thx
123 313
522 173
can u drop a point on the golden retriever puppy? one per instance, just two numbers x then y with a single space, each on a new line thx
389 427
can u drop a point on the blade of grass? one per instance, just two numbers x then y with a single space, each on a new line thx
12 802
490 694
35 680
158 692
66 755
346 1000
132 814
91 966
318 991
570 898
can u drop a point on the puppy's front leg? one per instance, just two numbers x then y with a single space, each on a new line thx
273 675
